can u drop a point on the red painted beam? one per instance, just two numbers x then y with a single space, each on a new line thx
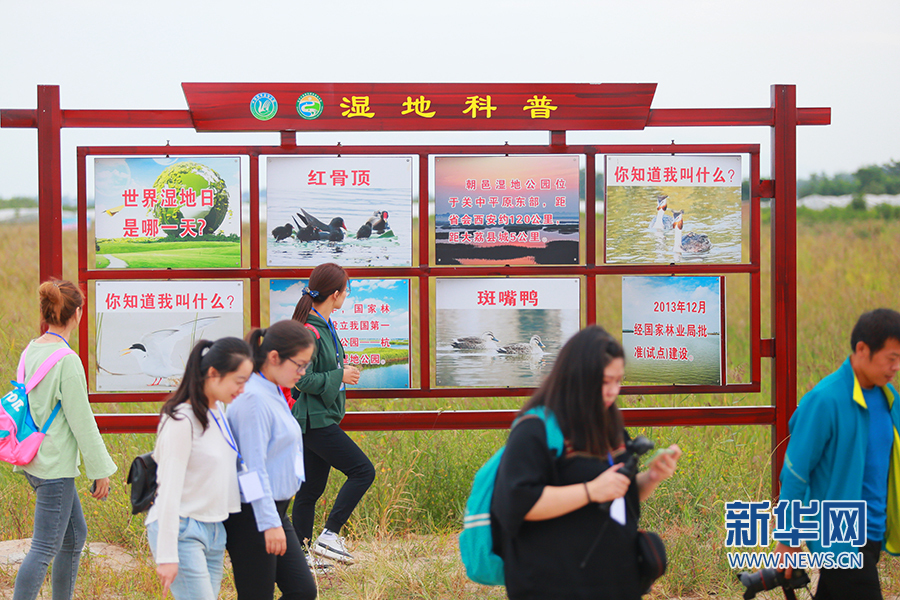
731 117
658 117
487 419
14 117
435 271
126 119
784 269
49 182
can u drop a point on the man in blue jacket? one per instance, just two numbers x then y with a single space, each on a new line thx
845 445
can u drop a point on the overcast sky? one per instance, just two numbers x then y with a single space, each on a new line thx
120 55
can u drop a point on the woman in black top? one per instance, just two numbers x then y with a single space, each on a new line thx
566 527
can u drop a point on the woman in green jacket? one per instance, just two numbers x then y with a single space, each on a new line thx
319 409
59 526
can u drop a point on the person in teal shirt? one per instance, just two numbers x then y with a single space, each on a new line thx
844 445
320 407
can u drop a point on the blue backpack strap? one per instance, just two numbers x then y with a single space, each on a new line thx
52 416
555 439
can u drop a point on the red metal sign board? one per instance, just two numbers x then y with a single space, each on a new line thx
417 106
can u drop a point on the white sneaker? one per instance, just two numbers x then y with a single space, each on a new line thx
317 564
331 545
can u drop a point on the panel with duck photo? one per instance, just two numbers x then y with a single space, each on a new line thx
676 221
502 332
353 210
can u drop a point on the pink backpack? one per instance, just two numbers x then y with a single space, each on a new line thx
20 437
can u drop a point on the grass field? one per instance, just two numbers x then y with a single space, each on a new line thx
161 254
404 530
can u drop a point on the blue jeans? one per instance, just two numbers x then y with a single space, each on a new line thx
59 535
201 558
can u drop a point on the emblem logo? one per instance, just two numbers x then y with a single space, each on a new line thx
310 106
263 106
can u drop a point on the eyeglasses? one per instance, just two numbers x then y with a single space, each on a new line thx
301 368
348 288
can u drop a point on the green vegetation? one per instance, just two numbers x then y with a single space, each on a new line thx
204 252
405 529
835 214
18 202
873 179
388 355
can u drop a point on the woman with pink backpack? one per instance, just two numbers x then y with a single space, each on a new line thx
59 526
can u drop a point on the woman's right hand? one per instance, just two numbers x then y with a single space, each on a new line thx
351 375
167 573
609 485
276 542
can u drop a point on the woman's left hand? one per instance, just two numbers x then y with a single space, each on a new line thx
101 489
663 466
167 573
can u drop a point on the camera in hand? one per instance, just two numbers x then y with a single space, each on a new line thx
634 449
769 579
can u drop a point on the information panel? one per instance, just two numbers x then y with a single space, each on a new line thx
161 212
373 325
512 210
356 211
673 208
145 329
673 330
502 332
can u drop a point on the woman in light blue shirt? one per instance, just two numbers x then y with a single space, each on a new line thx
262 544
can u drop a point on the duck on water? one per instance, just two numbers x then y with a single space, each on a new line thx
688 243
317 230
486 341
377 223
534 347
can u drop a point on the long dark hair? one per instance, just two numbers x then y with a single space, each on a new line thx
325 280
574 392
224 355
285 337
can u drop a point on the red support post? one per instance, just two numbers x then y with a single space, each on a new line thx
49 126
784 269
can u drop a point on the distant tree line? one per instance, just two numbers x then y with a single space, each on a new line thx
874 179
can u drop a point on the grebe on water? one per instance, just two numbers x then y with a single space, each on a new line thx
661 221
689 243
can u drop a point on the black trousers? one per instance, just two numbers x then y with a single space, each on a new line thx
322 449
256 571
858 584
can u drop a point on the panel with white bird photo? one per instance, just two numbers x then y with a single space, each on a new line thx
145 329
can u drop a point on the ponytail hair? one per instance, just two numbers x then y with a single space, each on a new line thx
325 280
59 301
285 337
225 355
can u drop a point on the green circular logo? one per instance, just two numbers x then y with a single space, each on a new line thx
310 106
263 106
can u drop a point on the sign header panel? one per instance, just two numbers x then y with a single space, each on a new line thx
417 106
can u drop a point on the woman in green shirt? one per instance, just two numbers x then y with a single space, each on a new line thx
59 526
319 409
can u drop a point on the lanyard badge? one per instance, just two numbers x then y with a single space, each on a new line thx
334 337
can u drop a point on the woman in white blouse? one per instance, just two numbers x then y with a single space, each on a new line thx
197 472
